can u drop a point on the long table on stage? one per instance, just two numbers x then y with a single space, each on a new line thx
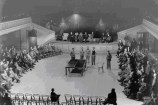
75 66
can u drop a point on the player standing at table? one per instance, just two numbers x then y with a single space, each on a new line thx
82 53
93 56
72 54
108 58
88 53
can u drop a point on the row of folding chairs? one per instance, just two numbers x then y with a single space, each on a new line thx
83 100
36 99
30 99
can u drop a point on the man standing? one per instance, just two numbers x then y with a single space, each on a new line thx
93 56
82 53
72 54
108 58
88 52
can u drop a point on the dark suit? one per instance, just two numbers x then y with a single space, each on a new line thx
54 97
109 56
111 99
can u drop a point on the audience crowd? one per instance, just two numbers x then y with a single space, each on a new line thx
138 72
14 63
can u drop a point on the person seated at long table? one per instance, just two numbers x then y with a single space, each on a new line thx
72 54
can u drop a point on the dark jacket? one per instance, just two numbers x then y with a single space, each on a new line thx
112 97
109 56
54 97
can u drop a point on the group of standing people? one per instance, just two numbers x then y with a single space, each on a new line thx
87 54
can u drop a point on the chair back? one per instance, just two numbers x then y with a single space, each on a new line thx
68 97
49 99
20 96
45 97
36 97
77 98
28 97
101 99
13 96
85 99
94 99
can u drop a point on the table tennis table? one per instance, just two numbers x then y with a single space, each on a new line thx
75 66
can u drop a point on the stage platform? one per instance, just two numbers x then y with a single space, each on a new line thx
101 48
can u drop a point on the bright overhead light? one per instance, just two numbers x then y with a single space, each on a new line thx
76 16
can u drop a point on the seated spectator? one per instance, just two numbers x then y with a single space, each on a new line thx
7 100
13 75
36 53
156 100
13 64
1 98
19 69
2 86
54 97
112 98
6 78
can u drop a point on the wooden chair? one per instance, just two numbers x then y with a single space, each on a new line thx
85 100
36 99
68 99
45 99
28 98
101 100
101 66
13 97
77 99
94 100
20 98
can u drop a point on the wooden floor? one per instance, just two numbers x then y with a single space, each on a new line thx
50 73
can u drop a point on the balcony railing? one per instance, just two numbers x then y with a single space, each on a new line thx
14 23
152 19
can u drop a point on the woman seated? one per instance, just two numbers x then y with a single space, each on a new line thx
6 79
54 97
13 75
19 69
30 57
112 98
4 85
